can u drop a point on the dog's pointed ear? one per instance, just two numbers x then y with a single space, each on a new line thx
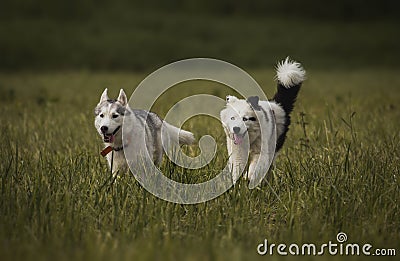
230 99
122 97
253 101
104 96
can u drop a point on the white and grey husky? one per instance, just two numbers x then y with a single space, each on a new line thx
110 115
247 117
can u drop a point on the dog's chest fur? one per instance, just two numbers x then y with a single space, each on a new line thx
118 161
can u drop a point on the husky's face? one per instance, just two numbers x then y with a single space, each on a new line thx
109 116
239 118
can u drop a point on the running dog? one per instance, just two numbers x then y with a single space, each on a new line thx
244 119
110 115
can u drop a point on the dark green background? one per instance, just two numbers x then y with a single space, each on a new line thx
143 35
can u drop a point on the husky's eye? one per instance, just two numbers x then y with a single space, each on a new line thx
102 115
233 118
244 119
252 118
115 116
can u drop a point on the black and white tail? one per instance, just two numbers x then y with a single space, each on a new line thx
290 75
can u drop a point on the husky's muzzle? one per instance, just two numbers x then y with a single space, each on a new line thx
109 137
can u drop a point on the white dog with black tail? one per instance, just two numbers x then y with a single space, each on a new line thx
249 123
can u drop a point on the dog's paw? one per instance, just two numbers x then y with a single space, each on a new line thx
236 175
245 175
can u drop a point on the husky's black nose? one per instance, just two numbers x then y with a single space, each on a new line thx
236 130
104 129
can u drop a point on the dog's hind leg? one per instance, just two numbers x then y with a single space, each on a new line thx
158 150
158 157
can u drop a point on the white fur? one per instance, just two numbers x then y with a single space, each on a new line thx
109 114
105 118
290 73
256 136
232 116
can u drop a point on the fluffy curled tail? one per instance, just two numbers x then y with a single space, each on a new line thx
290 75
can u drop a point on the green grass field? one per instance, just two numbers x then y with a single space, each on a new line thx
338 171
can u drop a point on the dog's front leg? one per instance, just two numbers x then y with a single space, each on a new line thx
117 163
237 162
236 170
253 167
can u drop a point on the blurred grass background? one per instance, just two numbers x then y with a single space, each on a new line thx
338 171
